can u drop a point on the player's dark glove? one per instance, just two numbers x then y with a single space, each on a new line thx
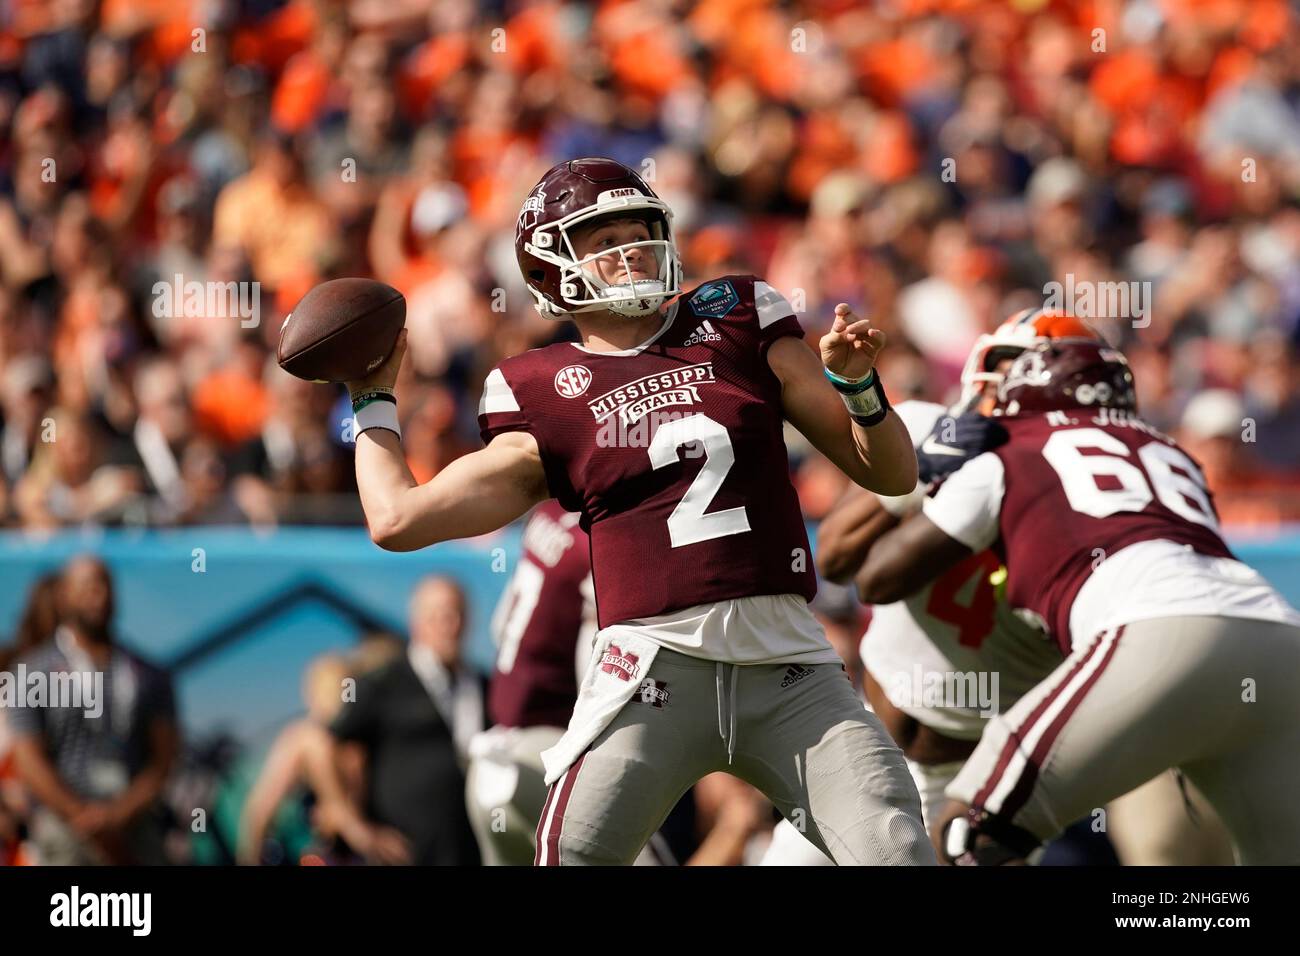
954 441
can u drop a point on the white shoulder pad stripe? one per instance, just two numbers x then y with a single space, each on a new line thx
497 396
771 305
968 505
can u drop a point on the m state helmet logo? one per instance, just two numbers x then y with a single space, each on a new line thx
623 666
534 206
572 380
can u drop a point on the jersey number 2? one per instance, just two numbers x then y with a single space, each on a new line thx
688 524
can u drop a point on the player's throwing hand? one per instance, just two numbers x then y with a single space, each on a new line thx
850 348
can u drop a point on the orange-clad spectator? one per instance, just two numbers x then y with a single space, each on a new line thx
232 403
489 132
892 69
825 145
536 39
273 40
310 82
770 50
433 210
435 63
643 47
167 26
120 171
713 22
82 255
1151 107
272 216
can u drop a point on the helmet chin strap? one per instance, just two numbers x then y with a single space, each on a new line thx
647 301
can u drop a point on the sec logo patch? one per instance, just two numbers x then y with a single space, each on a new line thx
572 380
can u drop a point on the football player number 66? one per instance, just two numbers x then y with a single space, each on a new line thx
1174 477
688 524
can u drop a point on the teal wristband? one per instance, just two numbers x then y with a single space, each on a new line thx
850 386
864 398
362 399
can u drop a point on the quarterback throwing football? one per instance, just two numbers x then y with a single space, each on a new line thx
663 430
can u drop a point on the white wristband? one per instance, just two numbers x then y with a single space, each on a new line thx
900 505
378 415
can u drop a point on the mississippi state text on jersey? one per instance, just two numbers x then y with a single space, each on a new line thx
540 622
672 452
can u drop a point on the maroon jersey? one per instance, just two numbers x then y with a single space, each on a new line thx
1081 485
539 621
672 452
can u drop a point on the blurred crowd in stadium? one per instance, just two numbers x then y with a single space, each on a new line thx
933 162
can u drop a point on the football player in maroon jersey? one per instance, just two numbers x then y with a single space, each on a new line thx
663 430
956 624
543 627
1111 541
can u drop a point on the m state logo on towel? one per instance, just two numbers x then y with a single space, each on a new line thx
623 666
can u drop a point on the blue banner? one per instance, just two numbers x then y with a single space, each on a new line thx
238 614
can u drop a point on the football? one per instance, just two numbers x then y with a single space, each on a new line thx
341 330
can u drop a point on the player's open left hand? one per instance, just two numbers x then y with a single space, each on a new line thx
850 348
386 375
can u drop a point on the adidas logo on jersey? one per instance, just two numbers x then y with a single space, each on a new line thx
795 673
704 332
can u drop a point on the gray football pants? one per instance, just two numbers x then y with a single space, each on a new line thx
505 793
797 733
1214 696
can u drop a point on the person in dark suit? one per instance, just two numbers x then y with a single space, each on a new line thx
414 718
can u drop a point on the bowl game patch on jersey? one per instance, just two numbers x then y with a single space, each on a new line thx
714 299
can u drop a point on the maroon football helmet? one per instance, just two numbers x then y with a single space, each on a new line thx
1066 374
576 193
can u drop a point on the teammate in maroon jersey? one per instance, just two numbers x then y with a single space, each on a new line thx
543 627
663 429
1111 541
955 624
